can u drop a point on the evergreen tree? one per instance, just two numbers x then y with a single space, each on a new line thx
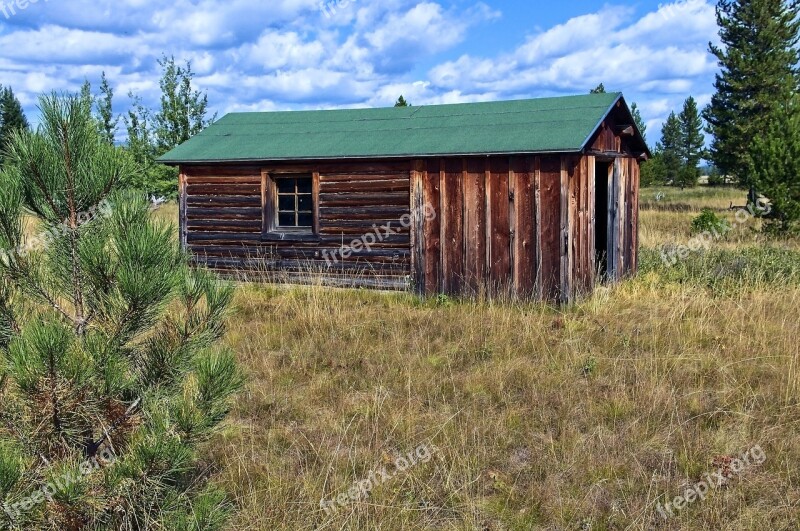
401 102
86 95
692 142
774 167
758 71
637 118
12 118
653 171
105 111
109 375
670 148
599 89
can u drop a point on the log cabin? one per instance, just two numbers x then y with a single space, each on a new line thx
533 198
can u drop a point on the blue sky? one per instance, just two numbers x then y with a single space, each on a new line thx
295 54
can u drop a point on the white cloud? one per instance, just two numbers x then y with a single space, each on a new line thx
287 54
660 56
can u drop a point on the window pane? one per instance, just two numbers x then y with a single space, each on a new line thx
306 220
285 186
286 202
304 185
286 219
304 203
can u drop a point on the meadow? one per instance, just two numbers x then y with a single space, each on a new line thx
590 416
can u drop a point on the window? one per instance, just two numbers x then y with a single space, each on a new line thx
295 203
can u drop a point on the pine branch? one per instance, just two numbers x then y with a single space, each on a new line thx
77 288
52 302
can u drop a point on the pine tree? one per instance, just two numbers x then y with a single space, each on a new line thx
653 172
639 121
599 89
758 60
774 167
86 95
109 374
691 144
12 118
105 111
401 102
670 149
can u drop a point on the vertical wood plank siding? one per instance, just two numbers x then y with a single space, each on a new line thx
526 225
452 218
475 231
499 226
525 240
551 243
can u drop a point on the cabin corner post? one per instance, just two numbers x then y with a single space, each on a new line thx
315 195
537 202
419 213
182 221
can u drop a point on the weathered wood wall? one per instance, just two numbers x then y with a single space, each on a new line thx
497 229
517 225
224 213
521 225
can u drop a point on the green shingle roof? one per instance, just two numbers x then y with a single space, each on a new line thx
546 125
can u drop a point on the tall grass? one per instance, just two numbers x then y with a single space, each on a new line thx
578 417
765 267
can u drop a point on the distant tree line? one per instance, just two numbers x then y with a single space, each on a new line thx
754 114
676 158
182 113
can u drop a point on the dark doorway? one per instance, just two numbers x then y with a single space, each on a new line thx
602 171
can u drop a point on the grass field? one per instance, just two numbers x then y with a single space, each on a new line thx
535 417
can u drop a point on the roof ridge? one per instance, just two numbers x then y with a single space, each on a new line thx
436 105
394 119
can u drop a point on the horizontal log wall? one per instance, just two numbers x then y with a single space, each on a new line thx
224 222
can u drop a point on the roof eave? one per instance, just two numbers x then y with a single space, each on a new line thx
367 157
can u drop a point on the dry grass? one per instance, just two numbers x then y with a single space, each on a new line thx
574 418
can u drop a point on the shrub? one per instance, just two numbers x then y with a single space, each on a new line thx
709 221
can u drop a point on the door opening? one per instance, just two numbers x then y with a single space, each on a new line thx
601 208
